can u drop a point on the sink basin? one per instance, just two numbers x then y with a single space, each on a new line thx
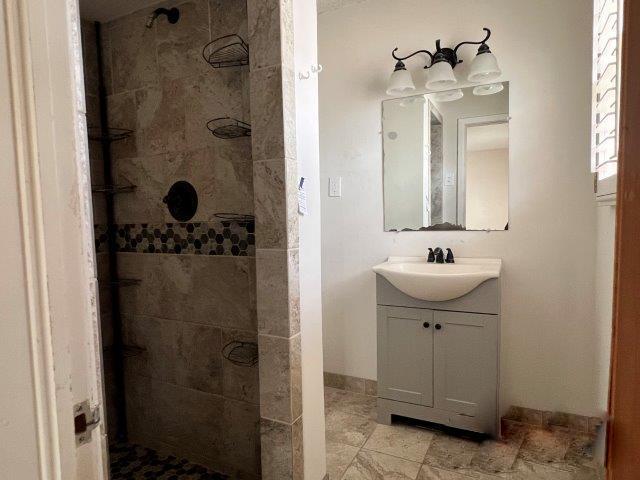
438 282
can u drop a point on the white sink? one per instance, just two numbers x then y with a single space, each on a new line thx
437 282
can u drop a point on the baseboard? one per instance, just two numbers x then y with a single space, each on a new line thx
364 386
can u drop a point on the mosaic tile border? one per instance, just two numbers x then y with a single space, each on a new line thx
192 238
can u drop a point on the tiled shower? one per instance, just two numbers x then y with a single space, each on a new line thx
177 296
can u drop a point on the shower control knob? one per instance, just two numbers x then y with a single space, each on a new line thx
426 325
438 326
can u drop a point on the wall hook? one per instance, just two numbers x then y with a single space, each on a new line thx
302 76
316 68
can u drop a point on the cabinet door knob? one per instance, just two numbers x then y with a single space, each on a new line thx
438 326
426 325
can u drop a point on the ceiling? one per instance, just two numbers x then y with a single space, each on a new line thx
105 10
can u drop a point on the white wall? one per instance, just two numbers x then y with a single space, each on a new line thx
549 327
305 40
604 309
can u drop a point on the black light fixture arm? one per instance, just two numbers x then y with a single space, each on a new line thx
449 55
393 54
481 42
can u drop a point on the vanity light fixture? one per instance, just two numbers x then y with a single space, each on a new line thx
440 65
400 81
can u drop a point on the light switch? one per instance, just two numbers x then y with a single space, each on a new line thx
335 186
450 179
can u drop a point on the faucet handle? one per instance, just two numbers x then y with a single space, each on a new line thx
431 258
449 258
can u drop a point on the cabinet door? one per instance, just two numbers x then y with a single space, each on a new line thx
466 363
405 354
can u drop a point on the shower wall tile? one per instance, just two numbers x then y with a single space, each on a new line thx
227 17
266 114
212 290
181 353
157 338
240 382
160 126
217 93
278 298
189 420
133 52
89 57
241 435
179 46
271 31
224 181
144 204
281 450
122 114
275 200
280 378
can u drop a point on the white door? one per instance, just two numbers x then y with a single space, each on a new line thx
49 340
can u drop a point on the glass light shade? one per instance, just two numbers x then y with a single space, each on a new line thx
440 76
484 68
400 82
448 96
489 89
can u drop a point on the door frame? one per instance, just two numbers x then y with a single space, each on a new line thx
50 154
623 429
463 124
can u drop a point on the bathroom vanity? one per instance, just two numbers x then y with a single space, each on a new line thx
438 360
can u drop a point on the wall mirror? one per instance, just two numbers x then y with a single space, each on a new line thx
446 160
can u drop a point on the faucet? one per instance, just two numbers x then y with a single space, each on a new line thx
437 256
449 258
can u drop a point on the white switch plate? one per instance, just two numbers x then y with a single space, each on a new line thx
450 179
335 186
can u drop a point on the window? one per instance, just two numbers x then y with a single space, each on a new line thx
606 95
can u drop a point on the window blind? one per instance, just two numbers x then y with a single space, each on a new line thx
606 87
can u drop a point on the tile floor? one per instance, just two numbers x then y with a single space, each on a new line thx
134 462
358 449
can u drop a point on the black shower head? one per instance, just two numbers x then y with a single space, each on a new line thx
173 15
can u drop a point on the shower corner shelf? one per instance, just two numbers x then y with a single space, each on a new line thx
244 354
227 51
113 189
112 135
228 128
126 282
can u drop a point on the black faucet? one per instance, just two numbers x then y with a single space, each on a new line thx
431 258
449 258
439 254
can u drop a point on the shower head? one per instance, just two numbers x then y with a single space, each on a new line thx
173 15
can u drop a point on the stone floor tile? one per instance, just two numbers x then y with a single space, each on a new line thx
346 428
495 457
410 443
450 452
545 446
377 466
339 456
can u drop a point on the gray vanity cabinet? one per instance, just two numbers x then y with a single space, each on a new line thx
403 344
439 365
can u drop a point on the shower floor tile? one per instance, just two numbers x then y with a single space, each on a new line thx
134 462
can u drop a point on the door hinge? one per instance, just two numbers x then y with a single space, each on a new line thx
85 420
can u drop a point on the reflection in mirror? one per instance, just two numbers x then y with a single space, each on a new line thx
446 160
